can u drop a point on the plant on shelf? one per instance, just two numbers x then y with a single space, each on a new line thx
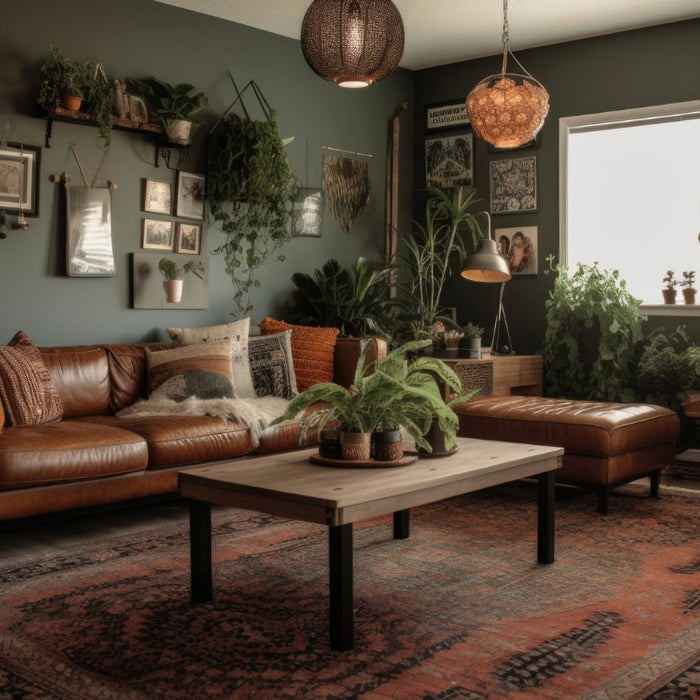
593 335
355 300
669 290
177 106
392 392
474 332
250 189
436 246
688 286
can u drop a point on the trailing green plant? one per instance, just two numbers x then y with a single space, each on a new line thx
391 392
250 189
172 271
436 246
355 300
593 335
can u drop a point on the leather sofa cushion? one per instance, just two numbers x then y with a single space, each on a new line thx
67 451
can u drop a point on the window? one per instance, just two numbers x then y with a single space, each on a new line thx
630 195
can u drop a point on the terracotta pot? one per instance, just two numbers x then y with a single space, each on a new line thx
356 446
669 296
388 445
71 102
173 291
689 295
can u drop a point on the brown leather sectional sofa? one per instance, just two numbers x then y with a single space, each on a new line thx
92 457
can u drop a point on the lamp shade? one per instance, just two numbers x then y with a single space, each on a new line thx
352 43
507 110
487 264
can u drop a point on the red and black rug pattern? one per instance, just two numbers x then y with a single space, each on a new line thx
461 609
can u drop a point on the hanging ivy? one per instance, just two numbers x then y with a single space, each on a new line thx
250 188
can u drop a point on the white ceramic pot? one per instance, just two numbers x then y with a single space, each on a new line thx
173 291
178 131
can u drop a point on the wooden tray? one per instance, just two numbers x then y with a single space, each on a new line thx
408 458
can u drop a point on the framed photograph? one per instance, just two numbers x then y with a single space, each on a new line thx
157 234
188 238
307 215
446 115
513 185
190 195
449 160
157 196
19 179
518 245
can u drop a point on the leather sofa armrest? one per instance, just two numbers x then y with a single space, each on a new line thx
347 353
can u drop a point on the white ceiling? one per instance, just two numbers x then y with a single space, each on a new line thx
445 31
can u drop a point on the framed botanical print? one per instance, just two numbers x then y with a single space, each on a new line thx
190 195
19 178
513 185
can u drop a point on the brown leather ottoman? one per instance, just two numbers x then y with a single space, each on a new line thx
605 444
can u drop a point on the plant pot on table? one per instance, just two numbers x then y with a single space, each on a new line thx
388 445
356 446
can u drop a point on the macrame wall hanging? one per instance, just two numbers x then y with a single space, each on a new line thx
346 188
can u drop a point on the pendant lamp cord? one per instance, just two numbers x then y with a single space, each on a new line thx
505 38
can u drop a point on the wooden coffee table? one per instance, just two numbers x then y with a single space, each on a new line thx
289 485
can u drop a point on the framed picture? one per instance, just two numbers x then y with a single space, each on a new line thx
513 185
446 115
307 214
190 195
188 238
89 239
157 196
146 284
518 245
449 160
157 234
19 178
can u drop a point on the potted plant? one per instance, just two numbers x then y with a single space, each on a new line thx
473 333
174 276
390 393
176 105
687 283
669 291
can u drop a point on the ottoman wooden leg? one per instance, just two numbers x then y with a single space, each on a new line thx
655 482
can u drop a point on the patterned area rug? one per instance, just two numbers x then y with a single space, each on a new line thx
461 609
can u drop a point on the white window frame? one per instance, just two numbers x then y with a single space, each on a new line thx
609 120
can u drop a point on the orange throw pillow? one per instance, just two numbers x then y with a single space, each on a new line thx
313 350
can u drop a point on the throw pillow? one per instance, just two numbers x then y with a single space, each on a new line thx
202 370
313 350
237 333
272 366
26 389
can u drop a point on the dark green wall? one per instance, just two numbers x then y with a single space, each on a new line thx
139 38
652 66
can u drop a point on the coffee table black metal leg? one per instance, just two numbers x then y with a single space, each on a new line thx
200 550
340 568
545 518
401 524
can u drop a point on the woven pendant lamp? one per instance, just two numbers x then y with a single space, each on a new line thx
352 43
508 110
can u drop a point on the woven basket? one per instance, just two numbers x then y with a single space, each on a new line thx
356 446
475 375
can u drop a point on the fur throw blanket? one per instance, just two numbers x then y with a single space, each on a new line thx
256 413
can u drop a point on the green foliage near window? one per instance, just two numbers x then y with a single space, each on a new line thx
593 336
355 300
250 189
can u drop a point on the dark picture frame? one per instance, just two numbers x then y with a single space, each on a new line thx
447 115
513 185
307 213
157 234
19 178
157 196
449 160
189 202
519 246
188 238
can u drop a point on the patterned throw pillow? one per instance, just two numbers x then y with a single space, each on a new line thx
27 392
237 333
202 370
271 365
313 351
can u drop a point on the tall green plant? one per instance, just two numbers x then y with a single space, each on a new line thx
437 245
250 189
593 335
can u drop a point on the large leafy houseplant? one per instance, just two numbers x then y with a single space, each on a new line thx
250 189
438 245
593 335
390 393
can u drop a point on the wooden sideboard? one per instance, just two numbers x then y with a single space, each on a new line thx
500 375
